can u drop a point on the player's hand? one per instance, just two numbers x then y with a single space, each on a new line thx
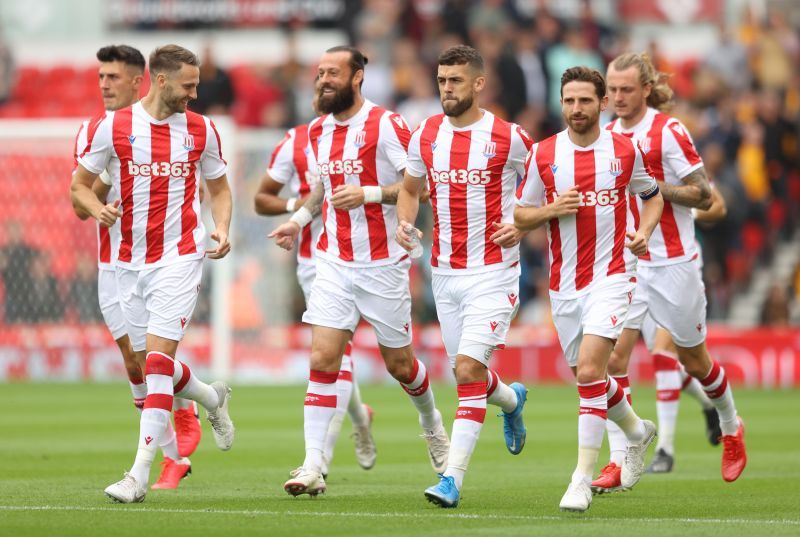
637 244
285 234
506 235
347 197
425 195
402 237
567 202
222 248
109 213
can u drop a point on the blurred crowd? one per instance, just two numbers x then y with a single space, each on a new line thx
740 101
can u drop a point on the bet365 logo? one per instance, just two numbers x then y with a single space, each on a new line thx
160 169
461 176
602 198
341 167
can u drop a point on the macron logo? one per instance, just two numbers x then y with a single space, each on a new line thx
148 439
613 320
493 324
513 299
183 323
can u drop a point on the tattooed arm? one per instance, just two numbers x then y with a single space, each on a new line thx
694 192
314 200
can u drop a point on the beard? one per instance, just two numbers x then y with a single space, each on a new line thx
174 103
455 108
582 128
341 100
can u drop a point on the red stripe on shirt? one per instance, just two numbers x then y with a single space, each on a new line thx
343 225
669 229
545 156
459 217
586 219
91 128
654 161
104 238
501 136
376 224
685 143
624 151
426 138
160 153
196 127
400 130
322 244
121 130
219 143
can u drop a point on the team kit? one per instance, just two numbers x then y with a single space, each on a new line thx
618 203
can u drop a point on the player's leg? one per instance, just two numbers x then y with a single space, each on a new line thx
683 315
383 299
333 317
668 389
361 416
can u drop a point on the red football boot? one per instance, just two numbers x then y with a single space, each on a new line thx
734 455
609 480
171 473
187 430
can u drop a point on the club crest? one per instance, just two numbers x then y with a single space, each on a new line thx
188 142
616 167
360 139
489 149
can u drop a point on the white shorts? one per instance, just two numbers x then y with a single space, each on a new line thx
648 329
476 308
601 312
341 295
306 272
159 301
110 306
675 297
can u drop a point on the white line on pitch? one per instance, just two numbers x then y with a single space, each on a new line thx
436 514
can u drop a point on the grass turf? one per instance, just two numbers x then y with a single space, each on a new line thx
60 445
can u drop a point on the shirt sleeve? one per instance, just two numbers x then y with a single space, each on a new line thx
531 190
521 143
395 138
678 151
80 144
212 165
641 181
281 164
99 147
415 166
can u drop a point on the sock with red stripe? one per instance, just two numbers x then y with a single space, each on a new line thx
319 409
344 389
180 403
715 384
694 389
621 412
499 393
617 441
591 426
169 443
466 429
188 386
139 392
419 390
668 392
355 408
159 369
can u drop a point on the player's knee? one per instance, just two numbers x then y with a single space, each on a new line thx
617 365
588 373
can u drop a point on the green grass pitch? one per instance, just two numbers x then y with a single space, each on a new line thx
60 445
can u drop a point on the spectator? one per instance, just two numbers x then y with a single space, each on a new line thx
215 92
16 260
43 302
775 312
6 72
83 291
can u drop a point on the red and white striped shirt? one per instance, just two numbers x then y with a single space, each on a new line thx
107 237
369 149
472 174
670 155
588 246
292 163
156 167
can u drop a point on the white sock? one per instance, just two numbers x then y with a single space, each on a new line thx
319 409
694 389
617 443
169 444
715 384
668 392
180 403
344 388
621 412
467 426
591 426
500 394
139 392
418 389
188 386
355 408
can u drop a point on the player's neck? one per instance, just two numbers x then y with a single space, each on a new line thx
155 107
631 122
585 139
472 115
358 102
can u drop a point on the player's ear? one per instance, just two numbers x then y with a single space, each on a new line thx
479 83
604 103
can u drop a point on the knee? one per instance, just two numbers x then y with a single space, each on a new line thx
696 364
401 370
616 364
469 370
588 373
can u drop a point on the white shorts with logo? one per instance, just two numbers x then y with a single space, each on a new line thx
159 301
341 295
306 272
109 301
601 312
476 308
675 297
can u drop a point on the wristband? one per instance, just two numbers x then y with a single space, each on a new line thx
372 194
290 203
302 217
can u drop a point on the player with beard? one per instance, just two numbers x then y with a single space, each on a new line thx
472 160
578 184
156 152
360 152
